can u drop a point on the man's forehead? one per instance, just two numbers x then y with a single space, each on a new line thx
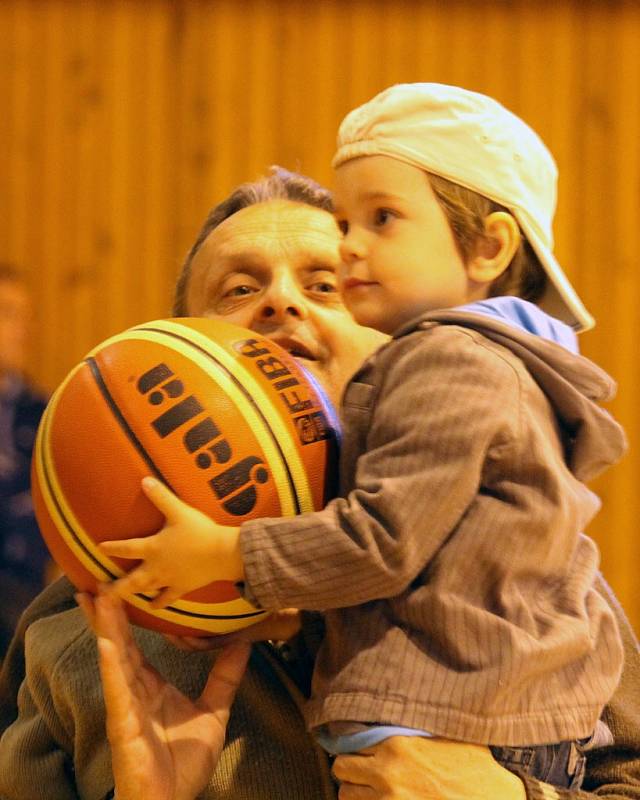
274 222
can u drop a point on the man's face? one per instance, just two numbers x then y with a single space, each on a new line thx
271 267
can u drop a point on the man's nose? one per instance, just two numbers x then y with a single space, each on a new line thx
283 300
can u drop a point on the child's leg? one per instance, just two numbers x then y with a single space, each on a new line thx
561 764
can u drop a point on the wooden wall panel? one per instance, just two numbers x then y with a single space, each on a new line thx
125 120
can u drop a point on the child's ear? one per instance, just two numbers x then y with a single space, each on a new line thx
495 249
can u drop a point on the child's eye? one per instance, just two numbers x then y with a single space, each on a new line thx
343 225
382 216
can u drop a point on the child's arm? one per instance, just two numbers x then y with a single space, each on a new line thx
190 551
427 441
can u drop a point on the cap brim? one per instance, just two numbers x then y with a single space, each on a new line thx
560 299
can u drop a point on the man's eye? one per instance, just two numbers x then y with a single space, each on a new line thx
239 291
323 287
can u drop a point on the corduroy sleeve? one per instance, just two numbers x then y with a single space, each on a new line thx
441 408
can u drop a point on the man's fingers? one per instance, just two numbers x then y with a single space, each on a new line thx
354 768
349 791
112 627
280 625
85 602
114 649
190 643
224 679
277 625
111 619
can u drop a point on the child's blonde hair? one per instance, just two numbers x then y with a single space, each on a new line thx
466 212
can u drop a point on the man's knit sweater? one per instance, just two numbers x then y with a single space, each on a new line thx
57 749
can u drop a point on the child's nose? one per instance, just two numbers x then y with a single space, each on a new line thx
352 247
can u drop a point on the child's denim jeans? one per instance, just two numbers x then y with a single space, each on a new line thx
562 764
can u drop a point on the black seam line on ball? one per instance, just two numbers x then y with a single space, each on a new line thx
222 368
106 394
67 523
122 422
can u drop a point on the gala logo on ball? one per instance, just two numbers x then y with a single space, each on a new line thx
230 422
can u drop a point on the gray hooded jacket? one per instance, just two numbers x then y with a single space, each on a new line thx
457 582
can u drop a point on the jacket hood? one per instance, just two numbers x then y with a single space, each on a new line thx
573 384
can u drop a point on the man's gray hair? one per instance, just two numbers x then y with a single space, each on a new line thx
280 184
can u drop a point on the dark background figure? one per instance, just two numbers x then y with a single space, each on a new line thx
24 561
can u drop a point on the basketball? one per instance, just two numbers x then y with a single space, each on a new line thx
227 419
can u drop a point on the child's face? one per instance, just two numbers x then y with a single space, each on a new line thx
399 255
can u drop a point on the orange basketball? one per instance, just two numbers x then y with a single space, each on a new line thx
227 419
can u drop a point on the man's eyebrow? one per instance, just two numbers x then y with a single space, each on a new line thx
319 264
243 258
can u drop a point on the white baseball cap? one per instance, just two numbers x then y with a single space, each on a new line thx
474 141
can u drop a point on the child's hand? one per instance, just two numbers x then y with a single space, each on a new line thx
190 551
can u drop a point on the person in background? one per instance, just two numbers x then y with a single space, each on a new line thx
55 745
23 556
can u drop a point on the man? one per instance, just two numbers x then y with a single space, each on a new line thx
266 259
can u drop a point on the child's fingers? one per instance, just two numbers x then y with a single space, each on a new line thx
126 548
167 503
166 597
139 579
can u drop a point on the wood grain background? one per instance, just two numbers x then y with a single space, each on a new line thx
123 121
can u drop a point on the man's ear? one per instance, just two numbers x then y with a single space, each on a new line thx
495 249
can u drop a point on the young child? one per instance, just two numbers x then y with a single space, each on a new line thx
455 579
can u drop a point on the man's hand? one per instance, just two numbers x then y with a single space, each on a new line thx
416 768
279 626
190 551
163 745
